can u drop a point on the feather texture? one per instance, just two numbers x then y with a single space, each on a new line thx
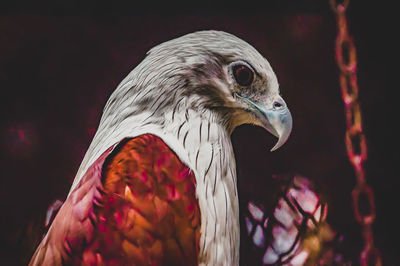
182 93
145 214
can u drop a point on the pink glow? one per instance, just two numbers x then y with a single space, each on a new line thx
161 160
183 174
144 177
347 100
102 227
111 200
21 134
172 193
118 217
356 159
190 208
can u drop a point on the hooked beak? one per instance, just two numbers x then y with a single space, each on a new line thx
275 118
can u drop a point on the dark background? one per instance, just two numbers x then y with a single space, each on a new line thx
60 61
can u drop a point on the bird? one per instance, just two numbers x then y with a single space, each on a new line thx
158 184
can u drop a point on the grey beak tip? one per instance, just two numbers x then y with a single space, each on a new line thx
284 131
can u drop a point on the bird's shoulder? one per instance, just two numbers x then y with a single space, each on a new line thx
150 204
135 206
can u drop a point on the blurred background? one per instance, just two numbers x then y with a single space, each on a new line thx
60 61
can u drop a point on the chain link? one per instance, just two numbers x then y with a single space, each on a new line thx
356 145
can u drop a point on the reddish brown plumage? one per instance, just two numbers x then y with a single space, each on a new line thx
150 214
147 213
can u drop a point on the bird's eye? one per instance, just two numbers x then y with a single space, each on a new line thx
243 75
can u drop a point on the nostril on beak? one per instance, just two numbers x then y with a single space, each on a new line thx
278 104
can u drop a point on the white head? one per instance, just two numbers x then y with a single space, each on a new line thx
213 71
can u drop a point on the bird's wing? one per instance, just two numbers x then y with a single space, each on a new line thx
136 206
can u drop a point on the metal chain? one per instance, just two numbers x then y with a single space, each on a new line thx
355 141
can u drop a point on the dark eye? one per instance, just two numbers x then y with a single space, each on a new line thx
243 75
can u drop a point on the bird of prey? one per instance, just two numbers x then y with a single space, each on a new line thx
157 185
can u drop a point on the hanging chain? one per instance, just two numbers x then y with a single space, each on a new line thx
355 141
